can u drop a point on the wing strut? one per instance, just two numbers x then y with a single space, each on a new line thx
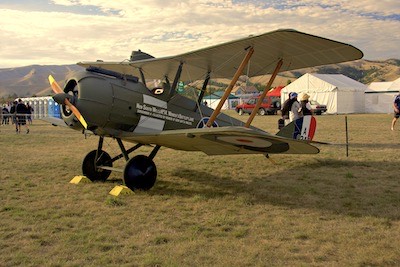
142 77
176 80
230 87
264 93
203 89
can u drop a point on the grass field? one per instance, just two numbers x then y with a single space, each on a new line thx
314 210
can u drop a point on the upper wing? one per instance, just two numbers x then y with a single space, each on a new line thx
297 49
223 141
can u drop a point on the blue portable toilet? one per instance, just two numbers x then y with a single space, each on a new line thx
57 110
50 108
41 108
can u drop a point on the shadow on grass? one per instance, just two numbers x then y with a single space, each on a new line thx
377 146
341 187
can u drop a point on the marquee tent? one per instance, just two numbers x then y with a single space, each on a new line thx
275 91
380 95
213 100
339 93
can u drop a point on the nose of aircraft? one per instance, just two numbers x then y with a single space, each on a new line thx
64 98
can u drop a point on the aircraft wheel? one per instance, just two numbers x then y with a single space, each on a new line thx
89 166
140 173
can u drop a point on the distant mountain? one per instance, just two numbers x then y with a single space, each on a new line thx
364 71
32 80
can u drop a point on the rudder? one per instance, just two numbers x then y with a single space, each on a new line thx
300 129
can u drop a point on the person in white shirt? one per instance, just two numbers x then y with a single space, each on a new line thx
295 109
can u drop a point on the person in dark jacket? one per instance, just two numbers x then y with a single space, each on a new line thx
305 105
12 113
396 108
21 113
29 111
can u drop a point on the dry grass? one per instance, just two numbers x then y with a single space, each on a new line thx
313 210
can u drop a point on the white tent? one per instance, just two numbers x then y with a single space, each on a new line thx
339 93
395 85
380 95
214 99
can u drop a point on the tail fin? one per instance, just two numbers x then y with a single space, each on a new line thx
300 129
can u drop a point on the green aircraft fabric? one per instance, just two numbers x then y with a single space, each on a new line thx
228 140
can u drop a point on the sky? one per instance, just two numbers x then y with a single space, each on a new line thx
58 32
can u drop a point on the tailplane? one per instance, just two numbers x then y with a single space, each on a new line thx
300 129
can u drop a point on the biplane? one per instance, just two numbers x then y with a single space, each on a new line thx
112 99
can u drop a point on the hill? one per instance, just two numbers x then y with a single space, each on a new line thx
32 80
364 71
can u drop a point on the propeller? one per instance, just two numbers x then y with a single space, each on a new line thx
57 89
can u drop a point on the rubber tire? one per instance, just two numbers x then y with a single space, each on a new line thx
262 112
89 167
140 173
240 112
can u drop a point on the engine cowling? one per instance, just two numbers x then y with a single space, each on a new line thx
104 101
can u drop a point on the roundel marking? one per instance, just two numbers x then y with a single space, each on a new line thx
245 141
203 123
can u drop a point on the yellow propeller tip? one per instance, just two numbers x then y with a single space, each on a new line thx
83 122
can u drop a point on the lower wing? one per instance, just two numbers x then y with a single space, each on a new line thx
223 141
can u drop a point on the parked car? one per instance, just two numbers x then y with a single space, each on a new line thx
317 108
269 106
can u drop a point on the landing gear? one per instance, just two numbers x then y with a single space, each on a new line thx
140 173
91 162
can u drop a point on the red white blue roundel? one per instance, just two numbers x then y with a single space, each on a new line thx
245 141
202 123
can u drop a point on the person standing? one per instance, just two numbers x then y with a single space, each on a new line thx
21 113
295 108
29 111
396 107
305 105
6 114
291 109
13 117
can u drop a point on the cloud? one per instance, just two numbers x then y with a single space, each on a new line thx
64 34
383 7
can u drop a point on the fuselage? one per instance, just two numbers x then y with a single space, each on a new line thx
112 105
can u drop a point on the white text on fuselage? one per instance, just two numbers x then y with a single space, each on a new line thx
163 114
